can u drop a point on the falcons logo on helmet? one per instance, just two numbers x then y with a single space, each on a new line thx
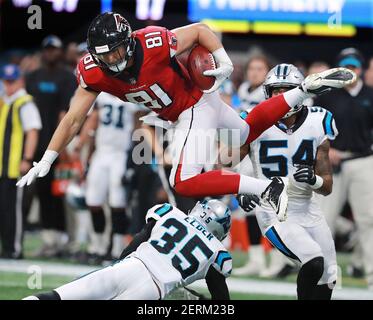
120 22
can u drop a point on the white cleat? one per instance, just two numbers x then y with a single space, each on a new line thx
336 78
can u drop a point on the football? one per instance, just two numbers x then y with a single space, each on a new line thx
199 60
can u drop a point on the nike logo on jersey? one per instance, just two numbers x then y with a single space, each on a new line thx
137 88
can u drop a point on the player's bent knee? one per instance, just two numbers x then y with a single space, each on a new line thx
52 295
314 267
184 188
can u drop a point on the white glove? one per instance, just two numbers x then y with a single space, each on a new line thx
223 70
39 170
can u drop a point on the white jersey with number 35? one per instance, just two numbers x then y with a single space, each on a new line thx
180 250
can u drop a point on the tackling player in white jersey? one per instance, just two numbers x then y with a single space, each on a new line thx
173 250
112 120
297 147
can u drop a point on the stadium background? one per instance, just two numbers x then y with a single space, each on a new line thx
276 34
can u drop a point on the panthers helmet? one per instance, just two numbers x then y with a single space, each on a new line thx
110 32
215 215
283 76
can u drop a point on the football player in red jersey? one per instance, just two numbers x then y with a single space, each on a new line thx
141 67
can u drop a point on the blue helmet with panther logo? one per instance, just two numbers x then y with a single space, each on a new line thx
215 215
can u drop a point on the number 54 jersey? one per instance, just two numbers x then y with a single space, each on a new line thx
156 79
180 250
279 150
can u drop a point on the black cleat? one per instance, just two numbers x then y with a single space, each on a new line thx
276 196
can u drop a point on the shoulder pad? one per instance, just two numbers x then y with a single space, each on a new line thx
143 31
158 211
223 263
161 41
327 120
88 73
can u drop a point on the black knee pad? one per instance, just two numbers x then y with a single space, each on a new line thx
324 291
119 221
314 268
98 219
52 295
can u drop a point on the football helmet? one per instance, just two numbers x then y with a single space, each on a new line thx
283 76
215 215
109 41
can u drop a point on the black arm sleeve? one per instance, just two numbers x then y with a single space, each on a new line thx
216 284
139 238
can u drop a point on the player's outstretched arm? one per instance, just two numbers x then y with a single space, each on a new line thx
217 285
80 104
86 134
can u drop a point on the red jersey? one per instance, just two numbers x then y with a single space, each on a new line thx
156 80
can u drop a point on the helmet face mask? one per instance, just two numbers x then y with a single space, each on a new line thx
214 215
283 76
115 60
110 42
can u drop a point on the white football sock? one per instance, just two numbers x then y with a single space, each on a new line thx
295 96
252 185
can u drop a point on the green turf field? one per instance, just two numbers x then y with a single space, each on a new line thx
15 285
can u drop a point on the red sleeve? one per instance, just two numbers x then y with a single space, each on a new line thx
159 43
88 74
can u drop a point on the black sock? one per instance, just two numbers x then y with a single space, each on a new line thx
52 295
308 276
323 291
98 219
255 235
119 221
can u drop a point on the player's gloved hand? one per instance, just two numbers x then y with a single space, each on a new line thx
305 174
40 169
247 201
223 70
319 83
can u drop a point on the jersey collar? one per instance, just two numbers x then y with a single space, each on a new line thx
300 120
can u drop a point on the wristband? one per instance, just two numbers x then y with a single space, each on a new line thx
318 184
221 56
49 156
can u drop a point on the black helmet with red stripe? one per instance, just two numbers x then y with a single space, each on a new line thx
110 42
